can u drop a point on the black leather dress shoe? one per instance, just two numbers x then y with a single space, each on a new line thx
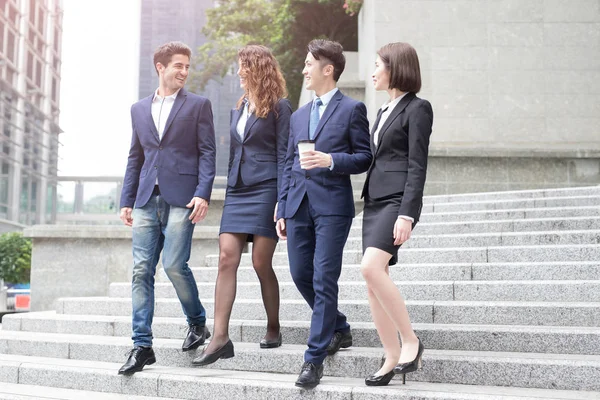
271 344
339 340
208 358
380 380
195 338
310 375
137 359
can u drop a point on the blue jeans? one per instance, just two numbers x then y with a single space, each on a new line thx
160 227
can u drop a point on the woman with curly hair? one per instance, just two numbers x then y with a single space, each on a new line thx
259 135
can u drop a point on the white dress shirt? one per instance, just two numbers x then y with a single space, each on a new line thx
241 125
161 108
326 98
387 109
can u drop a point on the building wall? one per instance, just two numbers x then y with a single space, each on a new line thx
183 20
506 78
30 61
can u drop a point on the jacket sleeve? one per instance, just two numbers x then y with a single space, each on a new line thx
420 122
135 161
205 132
282 134
360 159
286 174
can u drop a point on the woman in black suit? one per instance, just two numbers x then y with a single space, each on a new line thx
393 195
259 136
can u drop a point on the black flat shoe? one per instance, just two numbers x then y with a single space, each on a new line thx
226 351
271 344
339 340
195 338
381 380
412 366
310 375
138 358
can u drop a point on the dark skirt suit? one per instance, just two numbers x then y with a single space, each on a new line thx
396 178
256 164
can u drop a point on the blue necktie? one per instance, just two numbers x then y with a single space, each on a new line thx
314 118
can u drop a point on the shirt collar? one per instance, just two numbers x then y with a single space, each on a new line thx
157 96
391 104
326 98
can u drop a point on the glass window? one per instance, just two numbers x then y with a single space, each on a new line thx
11 46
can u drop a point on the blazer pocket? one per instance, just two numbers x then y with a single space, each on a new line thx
187 170
395 165
265 157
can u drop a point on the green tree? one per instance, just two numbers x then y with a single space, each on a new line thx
285 26
15 258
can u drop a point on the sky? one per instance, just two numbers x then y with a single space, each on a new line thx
100 54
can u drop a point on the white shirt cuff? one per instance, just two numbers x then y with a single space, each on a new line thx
406 217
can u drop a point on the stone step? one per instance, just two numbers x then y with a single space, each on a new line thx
518 225
572 201
517 194
572 290
491 226
534 370
206 383
511 214
583 270
496 254
512 338
484 239
14 391
441 312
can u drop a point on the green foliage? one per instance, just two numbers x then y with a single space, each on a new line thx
285 26
15 258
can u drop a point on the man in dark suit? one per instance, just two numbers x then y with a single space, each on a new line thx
316 204
169 178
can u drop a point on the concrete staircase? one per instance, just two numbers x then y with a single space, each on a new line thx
503 289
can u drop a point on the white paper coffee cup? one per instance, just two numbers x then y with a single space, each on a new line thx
304 146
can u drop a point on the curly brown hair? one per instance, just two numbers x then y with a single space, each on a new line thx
265 84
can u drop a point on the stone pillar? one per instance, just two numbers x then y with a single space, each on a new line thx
507 79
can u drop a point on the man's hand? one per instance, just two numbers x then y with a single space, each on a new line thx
280 228
200 208
315 159
402 231
126 216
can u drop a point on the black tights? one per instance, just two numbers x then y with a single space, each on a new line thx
230 253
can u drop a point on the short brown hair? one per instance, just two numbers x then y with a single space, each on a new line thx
163 54
403 63
332 53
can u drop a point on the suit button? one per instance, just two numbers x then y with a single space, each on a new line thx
308 177
242 161
156 167
160 148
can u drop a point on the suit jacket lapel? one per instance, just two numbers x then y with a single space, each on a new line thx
335 101
251 121
306 117
395 112
148 115
236 115
179 100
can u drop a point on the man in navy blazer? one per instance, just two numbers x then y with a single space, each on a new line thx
166 190
316 203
